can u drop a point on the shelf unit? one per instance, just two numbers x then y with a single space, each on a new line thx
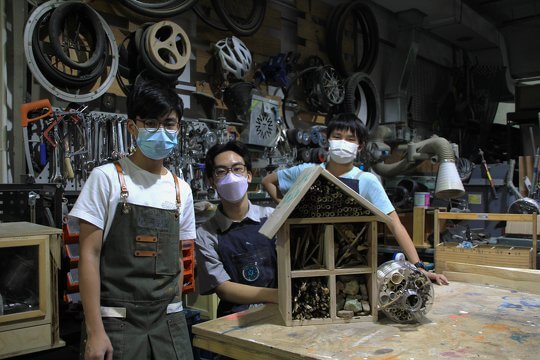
493 255
332 274
29 264
188 258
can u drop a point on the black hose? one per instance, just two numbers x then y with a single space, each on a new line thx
51 72
89 19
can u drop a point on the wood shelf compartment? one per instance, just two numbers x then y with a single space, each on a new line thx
492 255
29 260
288 279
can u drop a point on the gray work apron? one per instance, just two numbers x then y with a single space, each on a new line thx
139 273
248 257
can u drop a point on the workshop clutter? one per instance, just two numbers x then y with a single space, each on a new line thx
63 146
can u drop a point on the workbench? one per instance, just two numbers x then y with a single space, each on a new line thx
466 321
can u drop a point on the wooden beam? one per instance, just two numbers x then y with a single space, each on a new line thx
519 279
486 216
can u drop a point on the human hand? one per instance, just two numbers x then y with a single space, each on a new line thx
274 296
98 347
439 279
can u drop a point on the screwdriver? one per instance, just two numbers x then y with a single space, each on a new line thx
488 174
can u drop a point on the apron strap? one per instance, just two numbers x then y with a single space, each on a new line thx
124 193
177 186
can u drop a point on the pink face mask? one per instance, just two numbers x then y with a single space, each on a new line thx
232 188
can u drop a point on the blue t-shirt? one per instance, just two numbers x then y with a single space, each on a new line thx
369 186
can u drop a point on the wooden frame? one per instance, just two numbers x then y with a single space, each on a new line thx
34 330
330 272
283 219
494 255
42 270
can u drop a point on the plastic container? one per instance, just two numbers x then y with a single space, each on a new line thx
421 199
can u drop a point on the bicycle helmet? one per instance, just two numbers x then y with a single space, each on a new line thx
234 57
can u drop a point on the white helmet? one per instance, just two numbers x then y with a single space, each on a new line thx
234 56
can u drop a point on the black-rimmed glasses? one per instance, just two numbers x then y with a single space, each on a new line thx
152 125
237 169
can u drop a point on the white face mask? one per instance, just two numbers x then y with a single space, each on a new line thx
342 152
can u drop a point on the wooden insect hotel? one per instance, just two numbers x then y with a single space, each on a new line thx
327 251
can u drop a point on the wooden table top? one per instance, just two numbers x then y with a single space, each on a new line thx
466 321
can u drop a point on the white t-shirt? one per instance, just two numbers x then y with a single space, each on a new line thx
101 193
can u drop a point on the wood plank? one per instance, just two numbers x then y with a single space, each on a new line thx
530 275
20 341
22 228
473 278
483 255
310 31
283 250
485 216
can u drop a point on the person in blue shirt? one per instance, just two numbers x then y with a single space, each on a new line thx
346 137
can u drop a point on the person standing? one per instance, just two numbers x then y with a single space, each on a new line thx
347 136
133 214
233 259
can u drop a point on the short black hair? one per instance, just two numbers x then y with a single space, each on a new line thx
235 146
153 99
348 121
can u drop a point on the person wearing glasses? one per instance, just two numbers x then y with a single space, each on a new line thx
233 259
346 137
133 215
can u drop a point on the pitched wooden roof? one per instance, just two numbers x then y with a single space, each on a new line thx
302 187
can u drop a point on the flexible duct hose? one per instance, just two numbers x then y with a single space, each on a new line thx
417 151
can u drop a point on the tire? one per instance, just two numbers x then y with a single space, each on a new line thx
87 17
159 10
370 32
152 68
168 46
56 76
199 10
372 103
239 28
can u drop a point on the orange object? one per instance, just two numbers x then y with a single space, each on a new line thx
32 106
188 257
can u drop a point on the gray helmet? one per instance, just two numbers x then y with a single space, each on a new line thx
234 56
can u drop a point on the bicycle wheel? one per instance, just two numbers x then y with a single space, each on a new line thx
241 18
159 9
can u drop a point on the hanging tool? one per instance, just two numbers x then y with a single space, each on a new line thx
488 174
46 111
534 182
32 198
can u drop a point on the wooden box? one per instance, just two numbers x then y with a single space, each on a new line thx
493 255
502 256
312 272
29 263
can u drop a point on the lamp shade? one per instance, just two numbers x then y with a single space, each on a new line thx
449 183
